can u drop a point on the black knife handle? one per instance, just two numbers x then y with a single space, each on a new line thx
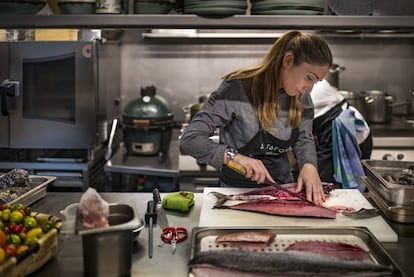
157 196
151 213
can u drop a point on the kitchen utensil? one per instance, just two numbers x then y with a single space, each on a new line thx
357 100
379 108
397 213
204 239
150 219
161 216
174 235
408 103
362 213
240 169
108 153
107 251
392 193
333 75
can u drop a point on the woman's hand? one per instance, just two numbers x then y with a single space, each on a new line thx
309 177
255 169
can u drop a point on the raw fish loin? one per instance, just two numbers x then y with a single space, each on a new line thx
244 263
270 200
252 240
334 249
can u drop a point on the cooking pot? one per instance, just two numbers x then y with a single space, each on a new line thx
378 107
357 100
192 109
333 75
147 124
408 103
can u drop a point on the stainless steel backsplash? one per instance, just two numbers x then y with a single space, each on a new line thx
183 69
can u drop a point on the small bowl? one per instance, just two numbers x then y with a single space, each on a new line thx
145 7
16 7
77 6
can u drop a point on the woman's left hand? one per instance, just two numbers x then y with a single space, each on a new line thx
309 177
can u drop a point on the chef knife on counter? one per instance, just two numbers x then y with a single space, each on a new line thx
240 169
161 215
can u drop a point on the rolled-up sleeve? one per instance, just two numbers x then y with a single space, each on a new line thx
216 113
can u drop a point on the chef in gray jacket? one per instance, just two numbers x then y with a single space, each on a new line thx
261 112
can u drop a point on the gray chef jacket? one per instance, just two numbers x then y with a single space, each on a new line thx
229 110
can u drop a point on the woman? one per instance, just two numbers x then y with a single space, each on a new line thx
262 112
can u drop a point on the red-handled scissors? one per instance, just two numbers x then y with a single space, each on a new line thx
174 235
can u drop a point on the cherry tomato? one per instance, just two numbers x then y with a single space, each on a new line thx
11 250
47 226
5 215
2 255
16 216
29 222
2 239
22 248
34 233
27 211
17 229
19 206
15 239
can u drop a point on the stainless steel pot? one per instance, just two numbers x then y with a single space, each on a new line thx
378 108
357 100
333 75
408 104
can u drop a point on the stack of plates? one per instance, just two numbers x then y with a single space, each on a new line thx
287 7
215 7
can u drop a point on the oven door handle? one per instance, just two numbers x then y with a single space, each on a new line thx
8 89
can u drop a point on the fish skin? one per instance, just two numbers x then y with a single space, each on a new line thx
293 263
271 200
283 207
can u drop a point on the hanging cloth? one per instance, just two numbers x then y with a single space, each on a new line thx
348 169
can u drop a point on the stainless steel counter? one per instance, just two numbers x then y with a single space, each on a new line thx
69 262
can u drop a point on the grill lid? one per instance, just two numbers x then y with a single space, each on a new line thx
147 110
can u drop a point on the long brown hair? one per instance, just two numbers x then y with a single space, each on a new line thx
261 81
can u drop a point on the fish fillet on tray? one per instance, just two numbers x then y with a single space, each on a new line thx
359 252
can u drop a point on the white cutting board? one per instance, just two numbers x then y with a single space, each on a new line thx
210 217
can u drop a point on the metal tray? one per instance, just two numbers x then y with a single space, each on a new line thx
203 239
39 189
395 194
402 214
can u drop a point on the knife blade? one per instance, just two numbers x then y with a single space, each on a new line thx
240 169
161 215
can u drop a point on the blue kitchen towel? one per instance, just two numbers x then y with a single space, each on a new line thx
348 169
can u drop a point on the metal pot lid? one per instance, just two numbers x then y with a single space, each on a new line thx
148 106
351 94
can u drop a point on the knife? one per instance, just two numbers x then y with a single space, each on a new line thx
161 215
240 169
150 219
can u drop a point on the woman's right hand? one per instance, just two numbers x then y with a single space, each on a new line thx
255 169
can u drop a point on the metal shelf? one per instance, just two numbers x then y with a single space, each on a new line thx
186 21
